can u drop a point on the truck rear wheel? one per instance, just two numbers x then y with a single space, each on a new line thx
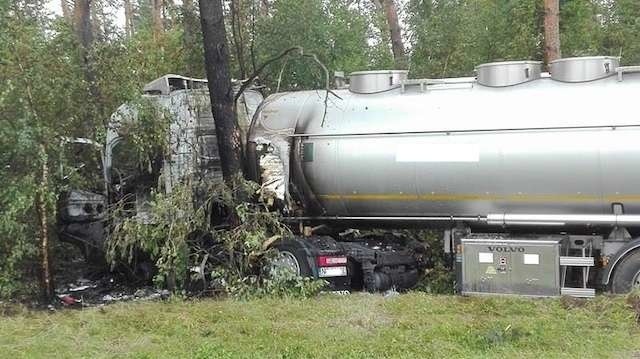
291 256
627 274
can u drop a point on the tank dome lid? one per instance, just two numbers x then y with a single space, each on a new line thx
508 73
582 69
367 82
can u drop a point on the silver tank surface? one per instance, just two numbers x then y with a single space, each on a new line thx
457 148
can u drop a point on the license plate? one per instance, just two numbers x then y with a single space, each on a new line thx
324 272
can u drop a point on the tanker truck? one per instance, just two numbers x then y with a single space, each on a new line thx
532 176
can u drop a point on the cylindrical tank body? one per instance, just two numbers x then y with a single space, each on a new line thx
463 149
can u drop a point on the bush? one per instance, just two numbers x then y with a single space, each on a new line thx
191 254
439 278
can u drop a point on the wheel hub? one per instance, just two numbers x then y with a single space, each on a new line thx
286 261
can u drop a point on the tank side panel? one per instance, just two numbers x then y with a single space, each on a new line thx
620 170
371 181
551 172
461 174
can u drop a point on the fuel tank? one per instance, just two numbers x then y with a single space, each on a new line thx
511 140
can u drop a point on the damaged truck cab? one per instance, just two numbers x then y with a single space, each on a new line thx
184 104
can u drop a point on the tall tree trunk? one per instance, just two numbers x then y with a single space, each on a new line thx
551 30
82 22
156 16
47 281
397 46
216 59
83 29
128 18
66 10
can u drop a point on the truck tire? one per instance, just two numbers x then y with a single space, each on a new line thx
292 255
627 274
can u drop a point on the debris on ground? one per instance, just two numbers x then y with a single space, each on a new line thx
391 293
68 300
84 292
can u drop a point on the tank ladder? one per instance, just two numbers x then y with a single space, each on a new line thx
584 261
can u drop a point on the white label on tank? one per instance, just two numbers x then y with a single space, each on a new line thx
485 257
437 152
531 259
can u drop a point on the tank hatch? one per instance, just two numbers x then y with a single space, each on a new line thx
367 82
508 73
582 69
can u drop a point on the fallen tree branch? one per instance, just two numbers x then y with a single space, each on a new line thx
283 54
284 65
328 90
257 73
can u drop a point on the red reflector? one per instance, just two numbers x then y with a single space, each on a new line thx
328 261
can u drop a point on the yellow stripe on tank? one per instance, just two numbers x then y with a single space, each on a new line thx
458 197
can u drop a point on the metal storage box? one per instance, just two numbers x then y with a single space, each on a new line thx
510 266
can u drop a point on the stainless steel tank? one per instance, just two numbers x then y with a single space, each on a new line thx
456 148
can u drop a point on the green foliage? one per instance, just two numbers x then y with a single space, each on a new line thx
18 245
278 283
29 109
161 232
175 233
581 33
145 125
244 257
450 38
439 278
44 99
622 30
336 31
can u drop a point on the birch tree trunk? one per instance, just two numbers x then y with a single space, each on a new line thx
47 279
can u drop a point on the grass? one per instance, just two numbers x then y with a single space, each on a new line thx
355 326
